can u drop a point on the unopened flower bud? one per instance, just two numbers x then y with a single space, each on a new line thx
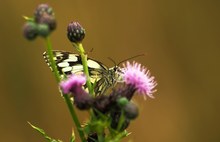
122 101
43 9
48 20
131 110
30 31
75 32
43 30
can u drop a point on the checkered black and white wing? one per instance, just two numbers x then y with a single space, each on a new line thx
69 63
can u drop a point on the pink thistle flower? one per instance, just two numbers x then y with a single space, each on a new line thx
138 76
73 81
74 86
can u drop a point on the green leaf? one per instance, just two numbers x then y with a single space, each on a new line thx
38 129
28 18
72 139
42 132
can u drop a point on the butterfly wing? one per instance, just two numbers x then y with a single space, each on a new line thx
69 63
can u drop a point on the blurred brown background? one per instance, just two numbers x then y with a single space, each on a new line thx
182 47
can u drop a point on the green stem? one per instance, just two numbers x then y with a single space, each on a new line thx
101 137
74 117
51 60
67 99
121 120
81 50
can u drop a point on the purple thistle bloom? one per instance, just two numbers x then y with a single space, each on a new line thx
73 85
73 81
138 76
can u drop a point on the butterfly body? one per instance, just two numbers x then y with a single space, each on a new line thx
70 63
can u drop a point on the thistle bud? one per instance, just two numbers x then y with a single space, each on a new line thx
75 32
131 111
44 15
43 30
48 20
30 31
43 9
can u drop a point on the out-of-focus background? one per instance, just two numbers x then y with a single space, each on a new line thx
182 47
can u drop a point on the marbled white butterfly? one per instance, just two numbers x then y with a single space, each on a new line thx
70 63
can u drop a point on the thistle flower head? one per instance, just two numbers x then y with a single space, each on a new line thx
74 81
30 31
138 76
48 20
131 111
43 30
44 16
73 85
42 24
43 9
75 32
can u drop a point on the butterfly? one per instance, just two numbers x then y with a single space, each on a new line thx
101 76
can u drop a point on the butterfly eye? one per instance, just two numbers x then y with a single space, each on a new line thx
115 68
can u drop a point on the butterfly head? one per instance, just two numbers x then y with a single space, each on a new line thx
116 73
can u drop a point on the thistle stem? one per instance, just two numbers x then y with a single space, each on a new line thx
74 117
66 97
81 50
51 60
121 120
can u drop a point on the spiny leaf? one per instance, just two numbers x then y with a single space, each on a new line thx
42 132
28 18
38 129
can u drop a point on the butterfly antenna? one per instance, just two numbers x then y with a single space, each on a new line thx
90 51
112 60
130 58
